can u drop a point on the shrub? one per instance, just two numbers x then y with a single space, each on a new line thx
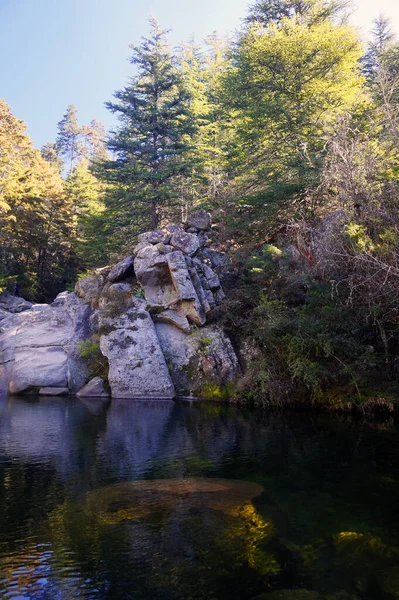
97 363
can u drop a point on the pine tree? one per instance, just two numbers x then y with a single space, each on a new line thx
84 192
304 11
36 220
153 142
202 70
94 142
68 138
382 39
50 153
289 82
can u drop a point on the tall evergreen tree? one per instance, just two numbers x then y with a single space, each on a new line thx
84 192
381 40
50 153
94 143
68 138
202 70
153 142
289 81
36 220
304 11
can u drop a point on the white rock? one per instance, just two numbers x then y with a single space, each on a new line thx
40 348
41 367
137 367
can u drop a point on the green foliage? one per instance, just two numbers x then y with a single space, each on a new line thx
68 136
89 350
289 81
85 193
37 227
152 146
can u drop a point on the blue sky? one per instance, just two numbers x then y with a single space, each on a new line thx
60 52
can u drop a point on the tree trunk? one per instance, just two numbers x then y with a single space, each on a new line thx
154 215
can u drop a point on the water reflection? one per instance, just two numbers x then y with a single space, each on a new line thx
149 500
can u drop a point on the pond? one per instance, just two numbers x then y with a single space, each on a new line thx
153 500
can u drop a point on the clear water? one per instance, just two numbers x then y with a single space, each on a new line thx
144 500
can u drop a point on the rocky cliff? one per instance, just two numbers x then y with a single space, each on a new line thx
151 316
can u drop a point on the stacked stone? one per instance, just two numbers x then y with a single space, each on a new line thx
179 284
153 350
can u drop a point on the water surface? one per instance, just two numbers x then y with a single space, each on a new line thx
146 500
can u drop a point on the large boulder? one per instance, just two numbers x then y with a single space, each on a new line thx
89 288
200 220
39 349
121 271
201 363
137 366
155 347
155 237
13 304
186 242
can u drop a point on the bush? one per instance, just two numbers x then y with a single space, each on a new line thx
89 350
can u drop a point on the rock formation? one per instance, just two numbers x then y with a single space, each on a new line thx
150 315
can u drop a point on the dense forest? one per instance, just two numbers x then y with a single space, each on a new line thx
288 133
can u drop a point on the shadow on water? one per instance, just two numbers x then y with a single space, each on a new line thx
158 500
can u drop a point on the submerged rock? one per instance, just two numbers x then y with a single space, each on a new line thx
290 595
135 499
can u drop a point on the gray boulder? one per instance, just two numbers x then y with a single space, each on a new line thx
89 288
13 304
39 349
167 283
137 366
186 242
54 391
200 220
155 237
41 367
123 270
154 277
198 362
94 389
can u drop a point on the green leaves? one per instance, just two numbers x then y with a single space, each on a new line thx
290 79
154 139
